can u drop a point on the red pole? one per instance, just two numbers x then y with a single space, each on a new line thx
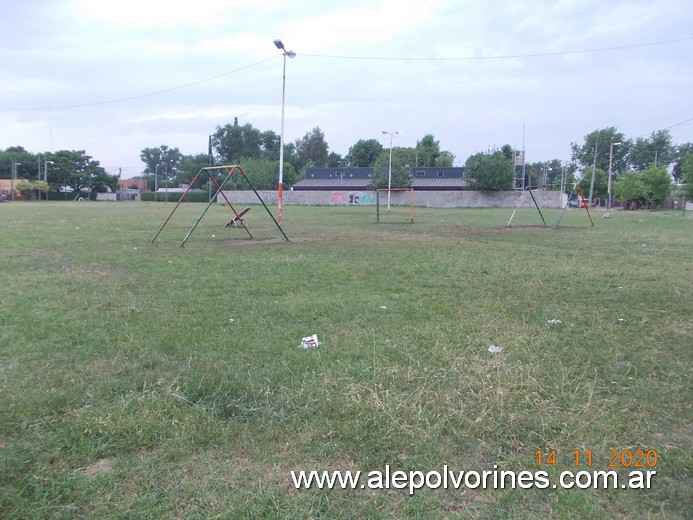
176 207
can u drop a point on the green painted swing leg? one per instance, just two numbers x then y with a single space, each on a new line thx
266 208
211 201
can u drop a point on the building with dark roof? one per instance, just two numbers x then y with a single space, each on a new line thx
353 178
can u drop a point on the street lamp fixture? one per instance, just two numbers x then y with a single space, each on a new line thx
608 190
389 170
280 188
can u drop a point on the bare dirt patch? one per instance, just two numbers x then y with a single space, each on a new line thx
97 468
275 240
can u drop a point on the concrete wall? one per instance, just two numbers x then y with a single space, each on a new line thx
428 199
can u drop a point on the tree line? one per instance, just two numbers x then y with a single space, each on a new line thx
640 167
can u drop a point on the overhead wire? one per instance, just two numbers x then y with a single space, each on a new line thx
370 58
504 56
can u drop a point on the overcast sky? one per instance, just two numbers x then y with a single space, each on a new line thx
112 78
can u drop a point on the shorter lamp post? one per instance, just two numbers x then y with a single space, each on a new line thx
389 170
14 178
608 189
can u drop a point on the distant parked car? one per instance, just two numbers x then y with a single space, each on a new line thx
581 204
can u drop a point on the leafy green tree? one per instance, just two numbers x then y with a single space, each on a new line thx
231 142
335 160
191 166
651 186
76 169
427 151
629 188
28 163
445 159
682 152
657 184
23 188
163 162
601 184
312 149
405 155
41 186
508 152
687 175
657 149
548 173
364 152
489 171
583 155
263 174
269 144
401 176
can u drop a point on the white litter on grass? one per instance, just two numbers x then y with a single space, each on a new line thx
214 236
135 248
620 320
76 227
383 307
310 342
493 349
554 322
231 320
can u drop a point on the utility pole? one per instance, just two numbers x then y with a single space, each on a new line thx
594 167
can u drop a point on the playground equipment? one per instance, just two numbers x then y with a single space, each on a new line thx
238 217
528 190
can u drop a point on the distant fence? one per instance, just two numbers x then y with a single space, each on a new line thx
427 199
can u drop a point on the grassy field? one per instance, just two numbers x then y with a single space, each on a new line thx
153 381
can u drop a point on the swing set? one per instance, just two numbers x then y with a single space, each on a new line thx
238 218
528 189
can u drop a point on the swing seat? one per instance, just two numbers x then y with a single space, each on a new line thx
240 218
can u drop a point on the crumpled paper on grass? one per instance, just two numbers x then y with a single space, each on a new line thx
310 342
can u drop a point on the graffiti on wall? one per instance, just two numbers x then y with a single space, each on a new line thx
352 198
272 197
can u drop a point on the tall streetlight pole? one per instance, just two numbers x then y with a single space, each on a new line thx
45 175
280 188
389 170
608 189
156 181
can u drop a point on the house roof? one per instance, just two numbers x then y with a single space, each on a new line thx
332 184
437 183
423 178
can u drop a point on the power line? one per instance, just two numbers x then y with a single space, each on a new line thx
681 123
148 94
371 58
506 56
